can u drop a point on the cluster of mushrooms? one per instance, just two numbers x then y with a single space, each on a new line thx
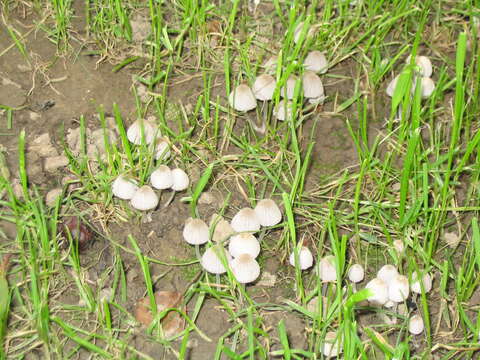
144 197
423 73
243 246
243 98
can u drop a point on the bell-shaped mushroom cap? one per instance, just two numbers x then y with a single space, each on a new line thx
387 273
356 273
416 287
211 260
134 132
268 212
245 220
288 89
392 85
398 289
242 98
316 62
144 199
180 180
416 325
428 86
332 345
399 246
326 269
298 32
223 230
124 188
195 231
162 150
424 65
162 178
283 110
379 290
270 65
263 87
245 269
244 243
312 86
305 258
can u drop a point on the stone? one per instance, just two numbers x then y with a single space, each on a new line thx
55 162
52 195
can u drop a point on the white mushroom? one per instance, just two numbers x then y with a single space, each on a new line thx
134 132
242 98
263 87
305 258
245 269
245 220
211 260
283 110
124 188
162 178
426 281
316 62
288 90
313 87
416 325
379 290
195 232
356 273
144 199
244 243
398 289
268 212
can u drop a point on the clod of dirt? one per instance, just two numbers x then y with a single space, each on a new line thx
95 144
53 163
141 28
172 323
43 146
52 195
80 233
11 94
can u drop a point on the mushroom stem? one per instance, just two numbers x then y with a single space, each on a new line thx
197 252
170 199
217 279
260 128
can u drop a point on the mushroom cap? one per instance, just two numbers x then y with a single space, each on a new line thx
424 65
380 291
392 85
326 269
244 243
263 87
134 132
211 260
416 287
288 89
195 231
245 220
316 62
428 86
416 325
305 258
268 212
312 85
387 273
399 246
332 345
242 98
298 31
245 269
270 65
162 178
223 230
124 188
283 110
398 289
356 273
162 150
144 199
180 180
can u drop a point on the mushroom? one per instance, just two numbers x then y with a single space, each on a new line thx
313 87
195 232
288 90
222 229
212 262
387 273
326 269
245 220
283 110
424 65
162 178
398 289
180 182
245 269
416 286
144 199
124 188
263 87
416 325
379 290
428 86
139 127
242 98
244 243
162 150
356 273
305 258
316 62
268 212
332 345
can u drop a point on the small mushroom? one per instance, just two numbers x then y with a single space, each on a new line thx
244 243
305 258
124 188
379 290
398 289
356 273
316 62
144 199
288 90
162 178
211 260
134 132
416 325
245 269
268 212
263 87
313 87
245 220
242 98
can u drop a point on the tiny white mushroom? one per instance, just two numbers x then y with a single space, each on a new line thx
195 231
392 85
245 269
162 178
242 98
124 188
387 273
283 110
428 86
211 260
416 325
313 87
134 132
144 199
398 289
244 243
223 230
379 290
245 220
326 269
263 87
356 273
268 212
416 287
162 150
399 246
305 258
288 90
424 65
180 180
316 62
332 345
